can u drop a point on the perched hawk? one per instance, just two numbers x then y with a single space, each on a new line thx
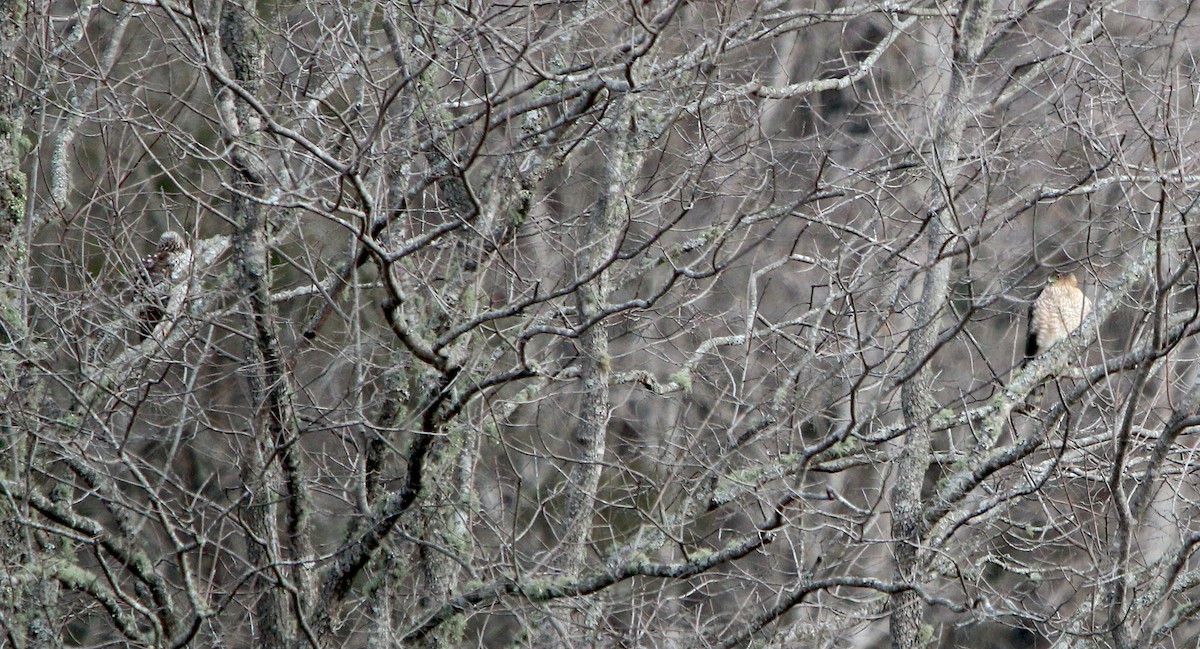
163 281
1058 310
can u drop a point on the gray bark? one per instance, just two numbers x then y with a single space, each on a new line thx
918 401
272 461
29 598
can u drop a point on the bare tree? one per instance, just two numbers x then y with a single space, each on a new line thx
645 324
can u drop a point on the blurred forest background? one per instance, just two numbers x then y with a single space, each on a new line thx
596 323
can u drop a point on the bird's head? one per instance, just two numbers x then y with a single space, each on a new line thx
171 242
1063 278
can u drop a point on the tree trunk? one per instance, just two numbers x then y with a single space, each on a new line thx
918 402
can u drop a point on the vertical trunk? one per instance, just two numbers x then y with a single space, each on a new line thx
27 609
605 222
445 527
444 522
273 425
12 200
12 197
917 401
606 219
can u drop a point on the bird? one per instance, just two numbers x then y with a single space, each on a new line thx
1057 311
162 283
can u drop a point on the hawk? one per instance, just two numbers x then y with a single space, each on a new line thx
163 281
1058 310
